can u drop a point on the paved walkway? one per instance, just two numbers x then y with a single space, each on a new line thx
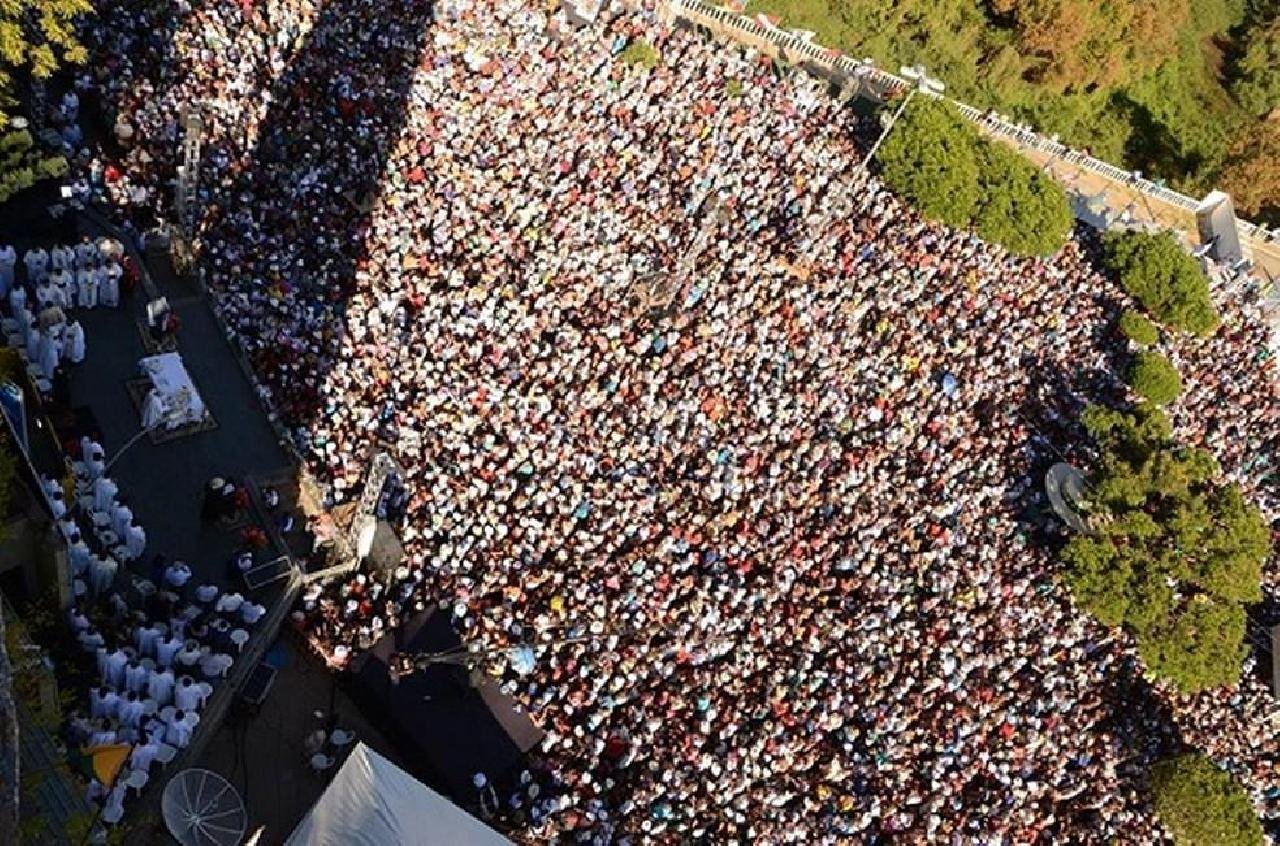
164 483
263 755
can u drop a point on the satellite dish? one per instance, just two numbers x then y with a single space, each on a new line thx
1064 485
201 808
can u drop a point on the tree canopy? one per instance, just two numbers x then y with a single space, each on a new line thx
1201 804
1139 329
1176 555
939 162
1154 378
1162 86
37 37
1157 272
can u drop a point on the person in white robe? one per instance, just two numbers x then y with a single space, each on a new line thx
62 257
33 344
143 753
188 695
86 253
178 732
50 350
109 285
17 299
166 649
113 676
64 281
121 519
160 686
46 291
86 289
136 677
37 264
102 572
8 261
131 709
111 703
152 410
104 494
136 542
78 553
147 637
73 348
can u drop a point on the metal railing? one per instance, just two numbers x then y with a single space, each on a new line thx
872 78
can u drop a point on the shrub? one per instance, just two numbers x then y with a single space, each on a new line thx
53 167
1202 804
1020 207
1138 329
1157 272
1154 378
733 88
640 53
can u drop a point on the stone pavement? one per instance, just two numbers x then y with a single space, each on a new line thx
164 483
263 755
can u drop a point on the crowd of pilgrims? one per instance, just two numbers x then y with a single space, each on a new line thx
668 377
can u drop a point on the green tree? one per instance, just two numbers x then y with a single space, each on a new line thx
640 53
1201 804
1257 83
1176 555
1154 378
36 37
1020 207
931 158
1164 278
1139 329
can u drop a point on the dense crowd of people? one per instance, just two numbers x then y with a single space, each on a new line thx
669 379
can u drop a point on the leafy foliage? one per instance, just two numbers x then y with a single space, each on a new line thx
937 160
1176 557
733 88
1154 378
1020 207
1202 804
1252 172
22 165
1141 83
1257 82
640 53
931 158
1138 329
37 37
1157 272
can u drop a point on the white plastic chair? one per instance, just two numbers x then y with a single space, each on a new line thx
341 738
239 637
321 762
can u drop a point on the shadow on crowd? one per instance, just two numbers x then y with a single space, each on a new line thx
295 213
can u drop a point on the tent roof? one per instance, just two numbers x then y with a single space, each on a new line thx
372 802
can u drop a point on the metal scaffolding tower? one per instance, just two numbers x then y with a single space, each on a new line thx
365 519
189 171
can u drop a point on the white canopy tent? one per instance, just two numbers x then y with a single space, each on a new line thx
372 802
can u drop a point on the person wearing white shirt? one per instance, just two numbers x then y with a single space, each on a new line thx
109 285
229 603
160 686
102 573
143 754
86 253
131 710
96 707
206 593
79 622
111 703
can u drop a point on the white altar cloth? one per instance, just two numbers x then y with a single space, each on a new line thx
182 402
